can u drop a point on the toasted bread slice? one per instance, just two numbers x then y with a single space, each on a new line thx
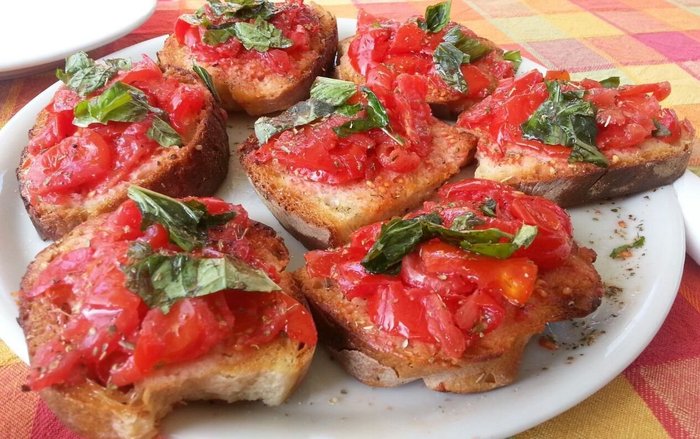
251 86
196 168
322 215
652 164
377 358
230 374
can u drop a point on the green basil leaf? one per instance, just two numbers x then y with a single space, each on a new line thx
611 82
332 91
448 60
186 222
214 37
83 75
437 16
375 110
466 221
162 279
299 114
349 110
354 126
565 118
514 57
207 79
503 250
473 47
377 117
163 133
260 35
489 207
660 130
623 251
399 237
119 103
241 8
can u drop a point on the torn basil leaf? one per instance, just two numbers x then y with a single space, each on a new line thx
83 75
163 133
162 279
241 8
514 57
332 91
660 130
472 47
466 221
565 118
448 61
207 79
260 35
437 16
376 117
399 237
186 222
299 114
611 82
348 110
623 251
119 103
215 37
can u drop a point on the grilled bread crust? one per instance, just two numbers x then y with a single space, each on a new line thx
269 373
652 164
195 169
384 360
322 215
247 87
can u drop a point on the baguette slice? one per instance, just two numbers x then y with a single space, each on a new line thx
545 170
323 215
378 359
269 373
197 168
652 164
251 86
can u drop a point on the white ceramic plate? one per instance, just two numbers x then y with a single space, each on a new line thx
330 404
36 33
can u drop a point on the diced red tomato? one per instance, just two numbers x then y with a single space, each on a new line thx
557 75
84 158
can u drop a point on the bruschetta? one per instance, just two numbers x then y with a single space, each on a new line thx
460 67
578 141
450 294
351 156
162 301
113 123
262 56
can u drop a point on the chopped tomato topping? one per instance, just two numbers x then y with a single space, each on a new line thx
625 116
107 333
445 295
316 153
397 48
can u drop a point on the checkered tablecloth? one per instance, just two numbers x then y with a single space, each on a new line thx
640 41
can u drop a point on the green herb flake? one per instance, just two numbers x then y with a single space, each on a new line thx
186 222
565 118
163 133
514 57
611 82
660 130
623 251
299 114
207 80
332 91
489 207
161 279
376 117
448 60
473 47
437 16
466 221
260 35
119 103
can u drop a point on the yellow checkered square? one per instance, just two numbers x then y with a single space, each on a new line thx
582 25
